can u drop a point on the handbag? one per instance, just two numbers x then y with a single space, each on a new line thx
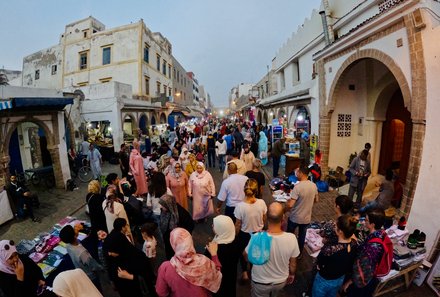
259 248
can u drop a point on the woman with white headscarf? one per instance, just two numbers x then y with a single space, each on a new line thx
19 275
184 157
228 253
74 283
177 182
201 189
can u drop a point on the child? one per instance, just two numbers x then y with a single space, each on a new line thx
81 258
150 243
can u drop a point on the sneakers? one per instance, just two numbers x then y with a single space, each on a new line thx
416 240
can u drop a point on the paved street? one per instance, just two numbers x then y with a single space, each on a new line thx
56 204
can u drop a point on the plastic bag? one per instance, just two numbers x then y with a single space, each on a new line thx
259 248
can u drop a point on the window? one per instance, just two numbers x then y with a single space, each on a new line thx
165 89
169 70
169 91
178 76
295 73
344 125
158 88
85 33
83 60
37 74
147 85
105 79
146 53
158 62
106 55
54 69
174 71
164 67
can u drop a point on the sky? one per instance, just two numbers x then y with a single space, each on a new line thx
224 42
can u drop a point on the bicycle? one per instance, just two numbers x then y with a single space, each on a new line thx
83 171
24 178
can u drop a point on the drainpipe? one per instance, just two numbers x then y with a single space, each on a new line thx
327 28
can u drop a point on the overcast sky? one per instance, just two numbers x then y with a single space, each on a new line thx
224 42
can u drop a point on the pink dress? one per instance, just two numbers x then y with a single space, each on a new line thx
202 188
179 188
138 171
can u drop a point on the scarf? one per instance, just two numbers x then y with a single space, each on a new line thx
5 254
224 229
169 218
195 268
203 173
74 283
173 171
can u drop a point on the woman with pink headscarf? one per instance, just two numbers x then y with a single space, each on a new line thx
202 189
137 169
188 273
19 275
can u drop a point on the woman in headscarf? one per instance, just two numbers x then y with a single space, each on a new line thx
19 275
74 283
192 165
137 169
177 181
172 216
128 267
188 273
113 209
164 164
228 254
201 189
184 157
262 148
247 157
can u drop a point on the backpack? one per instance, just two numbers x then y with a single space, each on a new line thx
200 157
384 265
259 248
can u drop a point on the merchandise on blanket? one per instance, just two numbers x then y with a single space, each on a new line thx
47 243
316 225
25 247
61 248
395 233
275 184
280 196
46 269
37 257
53 259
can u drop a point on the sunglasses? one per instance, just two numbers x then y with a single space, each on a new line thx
8 246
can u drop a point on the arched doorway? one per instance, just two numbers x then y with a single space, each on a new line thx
302 119
28 148
369 106
396 137
153 120
259 117
128 125
265 118
143 122
163 118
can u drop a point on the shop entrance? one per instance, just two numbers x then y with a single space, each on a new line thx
396 138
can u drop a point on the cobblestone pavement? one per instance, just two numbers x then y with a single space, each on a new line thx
57 204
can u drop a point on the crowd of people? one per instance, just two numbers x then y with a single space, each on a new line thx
165 189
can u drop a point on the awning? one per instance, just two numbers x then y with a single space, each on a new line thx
41 101
5 104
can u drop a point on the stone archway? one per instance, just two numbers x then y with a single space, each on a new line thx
163 118
328 105
259 117
129 125
53 145
143 122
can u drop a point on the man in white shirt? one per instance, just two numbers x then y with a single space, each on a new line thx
270 278
241 166
302 197
231 191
